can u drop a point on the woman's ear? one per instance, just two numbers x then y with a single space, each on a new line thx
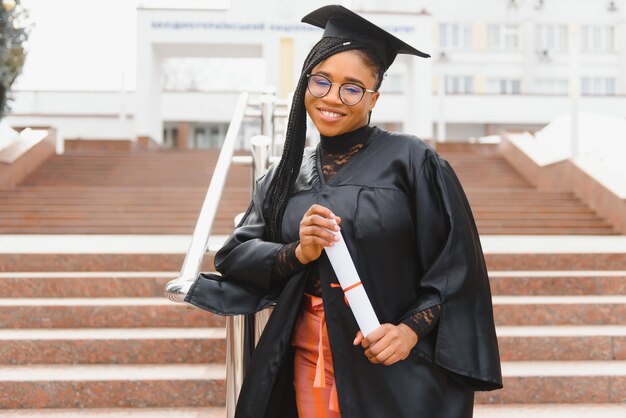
374 100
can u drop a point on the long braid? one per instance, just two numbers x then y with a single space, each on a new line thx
287 171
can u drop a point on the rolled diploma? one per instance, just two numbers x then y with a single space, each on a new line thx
348 277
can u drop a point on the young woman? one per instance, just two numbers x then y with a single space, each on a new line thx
410 231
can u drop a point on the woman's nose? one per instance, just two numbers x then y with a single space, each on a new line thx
333 94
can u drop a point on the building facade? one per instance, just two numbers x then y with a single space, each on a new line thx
496 64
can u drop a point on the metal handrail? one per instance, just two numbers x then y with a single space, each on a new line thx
177 289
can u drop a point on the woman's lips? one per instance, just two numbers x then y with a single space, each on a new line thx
330 115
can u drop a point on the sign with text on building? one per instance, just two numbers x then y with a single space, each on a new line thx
200 25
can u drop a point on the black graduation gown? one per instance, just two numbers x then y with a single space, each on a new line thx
410 231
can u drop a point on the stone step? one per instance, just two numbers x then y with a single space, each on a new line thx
559 382
102 313
52 262
550 410
480 411
545 231
207 345
157 198
141 262
113 346
526 209
560 310
562 343
555 261
85 284
79 191
535 283
94 209
106 386
93 386
224 229
159 312
565 217
151 284
210 412
193 204
135 213
108 229
25 194
545 223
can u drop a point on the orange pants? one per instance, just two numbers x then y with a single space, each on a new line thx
314 377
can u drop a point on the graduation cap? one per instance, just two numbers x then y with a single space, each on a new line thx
339 22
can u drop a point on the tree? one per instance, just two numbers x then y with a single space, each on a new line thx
13 34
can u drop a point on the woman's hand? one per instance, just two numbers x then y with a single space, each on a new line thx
315 233
388 343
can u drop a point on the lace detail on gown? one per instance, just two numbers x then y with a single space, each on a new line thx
332 162
286 264
424 321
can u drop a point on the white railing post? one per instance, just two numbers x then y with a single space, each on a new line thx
268 104
234 361
260 163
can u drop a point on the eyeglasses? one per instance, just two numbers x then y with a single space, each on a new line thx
350 94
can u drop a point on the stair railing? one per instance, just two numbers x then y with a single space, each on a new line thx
263 146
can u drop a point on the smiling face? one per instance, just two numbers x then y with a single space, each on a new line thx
329 114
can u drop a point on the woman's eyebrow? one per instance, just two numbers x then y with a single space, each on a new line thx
347 79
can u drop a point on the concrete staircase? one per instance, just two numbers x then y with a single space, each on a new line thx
161 192
88 332
122 192
503 202
88 337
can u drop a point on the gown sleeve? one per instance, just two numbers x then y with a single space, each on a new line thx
454 277
246 257
245 262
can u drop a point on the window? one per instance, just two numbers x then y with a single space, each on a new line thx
598 38
598 86
556 86
551 37
455 35
459 84
213 74
503 37
503 86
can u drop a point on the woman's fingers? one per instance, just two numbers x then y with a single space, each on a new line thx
316 219
387 345
358 339
316 232
375 335
379 346
323 215
383 356
320 210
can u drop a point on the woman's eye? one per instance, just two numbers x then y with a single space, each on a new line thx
321 82
352 89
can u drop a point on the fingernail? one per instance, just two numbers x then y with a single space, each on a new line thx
336 238
336 227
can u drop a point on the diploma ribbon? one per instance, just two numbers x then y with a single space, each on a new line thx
346 290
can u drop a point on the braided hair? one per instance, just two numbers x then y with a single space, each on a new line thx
287 171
